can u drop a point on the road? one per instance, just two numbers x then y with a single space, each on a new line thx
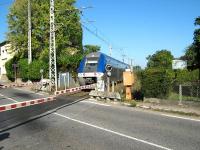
92 125
13 95
9 119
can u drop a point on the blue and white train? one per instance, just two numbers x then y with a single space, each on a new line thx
92 68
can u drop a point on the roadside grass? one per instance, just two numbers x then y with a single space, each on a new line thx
175 97
133 103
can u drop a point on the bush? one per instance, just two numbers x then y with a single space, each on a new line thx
34 70
184 76
23 69
9 69
156 83
133 103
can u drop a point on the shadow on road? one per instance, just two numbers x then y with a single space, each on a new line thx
4 136
17 117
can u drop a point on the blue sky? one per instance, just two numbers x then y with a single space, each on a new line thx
136 28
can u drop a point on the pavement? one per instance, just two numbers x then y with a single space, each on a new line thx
89 125
190 108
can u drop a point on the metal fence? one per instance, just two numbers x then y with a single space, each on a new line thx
65 80
187 91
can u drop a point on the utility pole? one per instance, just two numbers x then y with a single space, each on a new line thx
123 57
29 33
110 49
131 65
52 50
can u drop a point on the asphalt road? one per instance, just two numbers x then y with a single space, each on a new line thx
89 125
12 118
13 95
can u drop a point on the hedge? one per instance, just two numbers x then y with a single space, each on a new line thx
9 69
34 70
157 83
25 71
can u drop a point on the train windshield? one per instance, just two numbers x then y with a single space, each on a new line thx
91 65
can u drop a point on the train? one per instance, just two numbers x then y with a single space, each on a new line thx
92 69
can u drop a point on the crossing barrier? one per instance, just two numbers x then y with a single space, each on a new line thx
42 100
76 89
26 103
15 85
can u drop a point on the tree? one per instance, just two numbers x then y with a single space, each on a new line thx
137 68
192 54
156 83
161 59
91 48
68 29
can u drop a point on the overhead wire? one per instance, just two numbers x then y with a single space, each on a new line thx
102 37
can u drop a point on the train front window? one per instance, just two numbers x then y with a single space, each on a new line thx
91 66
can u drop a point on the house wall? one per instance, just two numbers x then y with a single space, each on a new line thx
5 55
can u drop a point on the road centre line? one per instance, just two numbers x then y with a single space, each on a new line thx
178 117
96 103
8 98
113 132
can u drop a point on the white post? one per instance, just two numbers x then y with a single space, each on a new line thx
108 84
113 86
52 51
68 79
65 80
180 94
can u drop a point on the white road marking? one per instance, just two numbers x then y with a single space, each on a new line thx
9 98
96 103
172 116
113 132
29 91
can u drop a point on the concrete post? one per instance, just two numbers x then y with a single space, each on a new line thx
65 81
108 84
68 80
113 86
180 94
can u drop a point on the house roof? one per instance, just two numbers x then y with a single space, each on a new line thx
3 43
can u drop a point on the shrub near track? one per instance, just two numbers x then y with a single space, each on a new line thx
156 83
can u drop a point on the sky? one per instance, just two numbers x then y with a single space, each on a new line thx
135 28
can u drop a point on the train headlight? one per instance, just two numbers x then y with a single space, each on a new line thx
108 73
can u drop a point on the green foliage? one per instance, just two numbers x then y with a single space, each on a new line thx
184 76
161 59
68 31
34 69
192 53
133 103
91 48
23 69
137 68
9 69
156 83
68 61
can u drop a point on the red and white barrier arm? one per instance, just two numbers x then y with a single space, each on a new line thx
26 103
14 85
76 89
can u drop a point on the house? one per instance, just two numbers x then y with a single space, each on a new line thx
5 54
